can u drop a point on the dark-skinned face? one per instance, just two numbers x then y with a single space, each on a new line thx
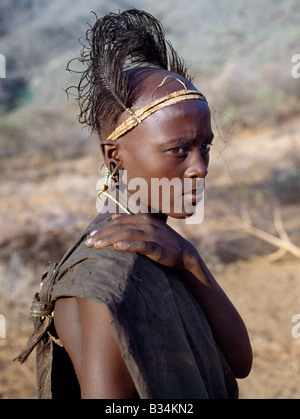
173 143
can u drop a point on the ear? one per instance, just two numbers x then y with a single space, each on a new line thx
112 158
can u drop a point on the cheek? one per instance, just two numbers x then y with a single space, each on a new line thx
145 164
206 158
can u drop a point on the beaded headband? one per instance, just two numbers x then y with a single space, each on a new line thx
138 116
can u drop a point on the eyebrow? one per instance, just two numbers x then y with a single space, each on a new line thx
185 140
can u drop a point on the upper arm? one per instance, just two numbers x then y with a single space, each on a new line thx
103 373
84 327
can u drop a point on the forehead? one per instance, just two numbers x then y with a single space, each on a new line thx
189 119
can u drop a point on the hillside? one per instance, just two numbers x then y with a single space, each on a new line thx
240 52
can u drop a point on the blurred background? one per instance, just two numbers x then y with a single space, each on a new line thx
241 55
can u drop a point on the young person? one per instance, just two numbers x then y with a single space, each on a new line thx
137 310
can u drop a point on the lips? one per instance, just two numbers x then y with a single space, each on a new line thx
193 192
194 195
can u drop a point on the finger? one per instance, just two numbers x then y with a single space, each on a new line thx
117 227
147 248
124 235
97 235
150 249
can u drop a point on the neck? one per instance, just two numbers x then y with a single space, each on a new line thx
118 202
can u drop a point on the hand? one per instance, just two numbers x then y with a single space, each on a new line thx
146 235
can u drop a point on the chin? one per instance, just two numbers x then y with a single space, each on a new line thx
180 216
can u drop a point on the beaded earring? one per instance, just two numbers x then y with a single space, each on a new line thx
104 192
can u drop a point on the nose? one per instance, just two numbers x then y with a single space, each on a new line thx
198 165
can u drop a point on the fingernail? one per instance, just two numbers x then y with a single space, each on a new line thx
121 245
92 233
98 243
88 242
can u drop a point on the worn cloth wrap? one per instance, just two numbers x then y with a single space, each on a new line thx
162 332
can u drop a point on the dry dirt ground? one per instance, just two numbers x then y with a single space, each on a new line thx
45 203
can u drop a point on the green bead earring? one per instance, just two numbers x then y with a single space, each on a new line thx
105 193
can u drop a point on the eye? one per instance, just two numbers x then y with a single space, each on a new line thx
205 147
180 151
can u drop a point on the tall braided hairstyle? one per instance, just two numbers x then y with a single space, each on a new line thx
121 47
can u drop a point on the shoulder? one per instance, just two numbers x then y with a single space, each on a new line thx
100 273
103 262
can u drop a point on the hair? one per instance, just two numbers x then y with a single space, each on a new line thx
122 50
